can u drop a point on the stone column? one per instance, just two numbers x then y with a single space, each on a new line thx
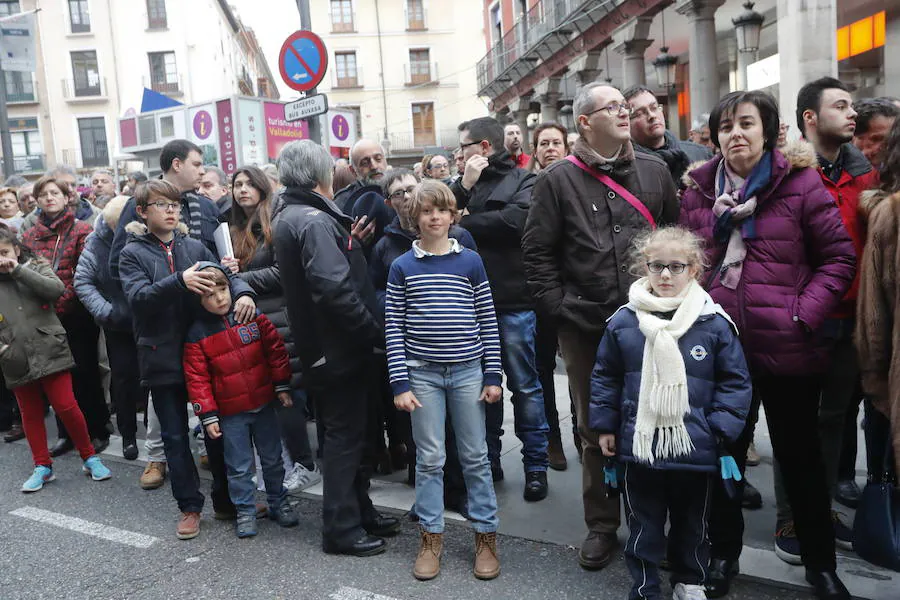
704 73
743 60
807 49
631 41
520 111
549 103
892 59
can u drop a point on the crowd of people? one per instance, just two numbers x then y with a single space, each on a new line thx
685 284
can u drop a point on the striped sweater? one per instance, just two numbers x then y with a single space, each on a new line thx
439 309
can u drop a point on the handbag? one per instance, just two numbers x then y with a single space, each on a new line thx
876 528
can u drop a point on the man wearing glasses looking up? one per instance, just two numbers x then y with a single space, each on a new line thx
585 211
649 133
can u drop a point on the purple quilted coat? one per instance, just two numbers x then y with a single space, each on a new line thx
797 269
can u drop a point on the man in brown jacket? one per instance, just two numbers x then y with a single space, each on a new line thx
576 251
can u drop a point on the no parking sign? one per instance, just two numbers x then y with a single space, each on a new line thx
303 61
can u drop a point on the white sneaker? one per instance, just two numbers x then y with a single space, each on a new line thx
301 478
684 591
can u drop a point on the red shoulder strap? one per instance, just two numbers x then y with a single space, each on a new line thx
615 187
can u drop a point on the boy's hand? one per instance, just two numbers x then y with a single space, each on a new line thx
607 444
244 309
285 399
406 401
213 431
361 231
491 394
198 282
231 263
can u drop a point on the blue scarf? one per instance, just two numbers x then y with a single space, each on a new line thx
758 179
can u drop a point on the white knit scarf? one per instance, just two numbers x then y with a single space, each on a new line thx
663 398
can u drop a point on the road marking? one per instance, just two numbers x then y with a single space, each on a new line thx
349 593
106 532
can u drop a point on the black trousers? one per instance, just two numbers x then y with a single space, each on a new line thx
9 411
651 495
545 347
343 398
792 413
125 380
84 337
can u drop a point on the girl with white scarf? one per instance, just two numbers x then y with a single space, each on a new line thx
669 389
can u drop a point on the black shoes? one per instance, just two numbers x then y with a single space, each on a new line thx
751 499
848 493
367 545
718 580
61 446
382 526
129 448
826 585
535 486
100 444
14 434
496 472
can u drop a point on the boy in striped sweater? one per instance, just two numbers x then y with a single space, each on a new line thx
443 350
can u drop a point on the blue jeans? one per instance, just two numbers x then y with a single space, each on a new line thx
241 432
517 347
444 388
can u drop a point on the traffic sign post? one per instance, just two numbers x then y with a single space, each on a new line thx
303 62
305 108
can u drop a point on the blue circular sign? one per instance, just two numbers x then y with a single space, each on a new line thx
303 61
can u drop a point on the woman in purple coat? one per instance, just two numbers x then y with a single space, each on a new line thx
782 260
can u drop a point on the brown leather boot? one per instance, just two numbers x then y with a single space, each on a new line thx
597 550
487 565
555 454
428 562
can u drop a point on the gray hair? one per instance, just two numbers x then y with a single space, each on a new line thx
270 170
62 169
102 172
584 101
305 164
15 181
223 178
700 122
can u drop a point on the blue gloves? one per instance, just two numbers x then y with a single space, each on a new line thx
611 478
729 468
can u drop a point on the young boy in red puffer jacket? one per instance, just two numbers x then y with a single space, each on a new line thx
233 373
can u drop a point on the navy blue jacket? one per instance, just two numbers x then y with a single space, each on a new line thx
209 221
370 202
395 243
162 307
719 387
101 296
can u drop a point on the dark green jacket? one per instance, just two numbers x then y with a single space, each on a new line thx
33 344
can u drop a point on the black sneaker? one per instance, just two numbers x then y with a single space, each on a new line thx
751 499
848 493
843 533
535 486
129 448
787 546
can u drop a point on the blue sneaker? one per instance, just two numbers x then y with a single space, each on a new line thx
37 480
96 469
246 526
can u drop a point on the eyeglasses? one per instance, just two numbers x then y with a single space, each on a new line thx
397 195
461 146
166 206
645 112
613 109
675 268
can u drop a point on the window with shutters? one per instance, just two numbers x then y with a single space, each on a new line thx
419 66
345 68
423 124
341 16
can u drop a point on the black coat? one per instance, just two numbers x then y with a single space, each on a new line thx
162 307
498 207
330 301
263 276
94 285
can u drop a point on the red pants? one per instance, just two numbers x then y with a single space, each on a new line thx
58 389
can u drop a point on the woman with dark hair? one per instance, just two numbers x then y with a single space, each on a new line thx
254 262
58 237
551 143
878 312
782 260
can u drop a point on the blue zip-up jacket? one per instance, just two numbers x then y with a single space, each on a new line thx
101 296
395 243
718 381
160 303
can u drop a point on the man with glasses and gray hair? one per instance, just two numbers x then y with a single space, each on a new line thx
333 315
585 210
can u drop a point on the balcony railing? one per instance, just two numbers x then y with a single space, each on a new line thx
74 91
419 78
33 163
556 19
411 142
170 88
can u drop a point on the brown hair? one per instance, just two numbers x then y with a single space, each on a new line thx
9 190
155 188
218 276
244 229
47 180
343 176
533 165
434 192
645 243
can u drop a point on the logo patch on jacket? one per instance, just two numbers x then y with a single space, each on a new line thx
249 333
698 353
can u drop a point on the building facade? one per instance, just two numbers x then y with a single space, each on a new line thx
539 52
95 57
407 67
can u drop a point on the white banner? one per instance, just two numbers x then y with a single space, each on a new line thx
17 47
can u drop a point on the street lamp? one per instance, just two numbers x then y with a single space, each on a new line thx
665 65
748 25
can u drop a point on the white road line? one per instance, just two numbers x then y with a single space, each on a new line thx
106 532
349 593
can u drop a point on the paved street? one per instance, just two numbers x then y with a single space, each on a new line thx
51 549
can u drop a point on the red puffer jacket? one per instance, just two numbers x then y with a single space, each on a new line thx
60 242
230 368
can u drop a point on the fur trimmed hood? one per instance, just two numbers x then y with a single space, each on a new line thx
869 199
800 154
139 229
